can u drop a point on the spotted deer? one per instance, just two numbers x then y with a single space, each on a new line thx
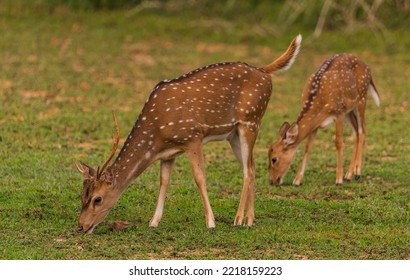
337 91
224 101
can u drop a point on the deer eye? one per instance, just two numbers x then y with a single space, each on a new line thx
274 160
98 200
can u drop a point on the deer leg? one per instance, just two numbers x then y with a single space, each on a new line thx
351 117
246 138
236 147
196 159
250 207
339 148
166 168
361 138
299 175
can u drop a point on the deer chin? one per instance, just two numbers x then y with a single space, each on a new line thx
278 181
90 229
86 229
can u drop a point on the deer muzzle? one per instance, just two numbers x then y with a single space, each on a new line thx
85 230
277 181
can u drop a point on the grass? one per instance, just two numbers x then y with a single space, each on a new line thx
62 75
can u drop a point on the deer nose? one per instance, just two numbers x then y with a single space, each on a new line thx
79 228
277 181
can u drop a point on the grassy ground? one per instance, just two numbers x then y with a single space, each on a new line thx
63 73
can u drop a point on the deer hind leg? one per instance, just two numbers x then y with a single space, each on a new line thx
352 119
361 137
242 145
166 169
299 176
339 148
196 159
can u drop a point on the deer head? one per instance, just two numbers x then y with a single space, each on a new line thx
281 153
98 195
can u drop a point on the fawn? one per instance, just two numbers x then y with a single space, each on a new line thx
337 91
224 101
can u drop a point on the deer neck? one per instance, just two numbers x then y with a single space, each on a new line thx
316 111
136 155
312 119
305 126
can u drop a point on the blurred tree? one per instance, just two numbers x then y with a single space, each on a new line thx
339 14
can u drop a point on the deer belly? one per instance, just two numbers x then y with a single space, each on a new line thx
216 137
327 121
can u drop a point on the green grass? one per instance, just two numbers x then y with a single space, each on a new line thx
62 75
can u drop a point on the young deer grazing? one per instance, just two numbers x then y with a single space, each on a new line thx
337 91
224 101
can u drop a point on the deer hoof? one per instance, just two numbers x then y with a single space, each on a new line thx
248 222
357 177
210 225
238 221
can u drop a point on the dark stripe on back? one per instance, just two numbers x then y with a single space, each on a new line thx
314 85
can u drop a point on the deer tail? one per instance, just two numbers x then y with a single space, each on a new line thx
374 93
285 61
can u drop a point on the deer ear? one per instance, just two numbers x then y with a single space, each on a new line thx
282 131
291 134
87 171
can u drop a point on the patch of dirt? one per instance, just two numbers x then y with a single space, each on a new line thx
120 225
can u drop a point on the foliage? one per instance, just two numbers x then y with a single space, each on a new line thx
342 14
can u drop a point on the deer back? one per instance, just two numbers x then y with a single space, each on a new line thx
205 102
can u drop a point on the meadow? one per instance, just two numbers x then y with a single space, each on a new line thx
63 73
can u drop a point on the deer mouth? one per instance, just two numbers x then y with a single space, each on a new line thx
278 181
87 230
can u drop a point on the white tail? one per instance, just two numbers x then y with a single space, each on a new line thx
374 93
337 91
224 101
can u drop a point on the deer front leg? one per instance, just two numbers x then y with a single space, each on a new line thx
166 168
299 175
339 148
196 159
